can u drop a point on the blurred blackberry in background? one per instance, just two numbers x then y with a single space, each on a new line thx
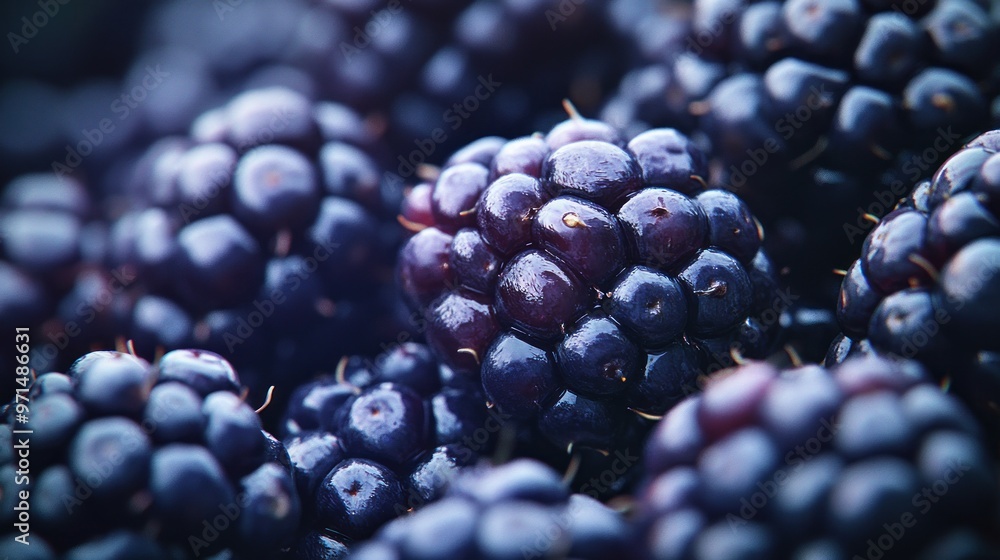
265 235
505 68
164 461
517 510
819 112
51 247
927 285
380 439
585 279
867 459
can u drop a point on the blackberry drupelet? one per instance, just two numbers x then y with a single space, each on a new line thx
868 459
927 285
819 111
166 459
517 510
583 277
380 439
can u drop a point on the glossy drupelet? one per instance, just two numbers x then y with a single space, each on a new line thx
153 461
868 459
927 285
517 510
381 439
818 112
584 278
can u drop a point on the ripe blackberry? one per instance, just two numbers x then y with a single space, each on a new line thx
517 510
263 235
163 458
867 459
815 110
928 278
582 277
380 439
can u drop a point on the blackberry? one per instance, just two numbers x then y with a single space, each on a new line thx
865 459
263 235
380 439
927 277
516 510
818 111
583 277
166 459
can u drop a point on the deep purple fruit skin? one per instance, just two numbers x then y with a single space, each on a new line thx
475 263
650 305
518 377
358 496
596 358
460 329
454 196
721 292
664 227
537 296
731 225
958 221
970 290
424 265
521 155
386 423
579 130
594 170
668 159
505 211
856 303
667 378
274 187
583 235
889 255
204 177
222 261
579 420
